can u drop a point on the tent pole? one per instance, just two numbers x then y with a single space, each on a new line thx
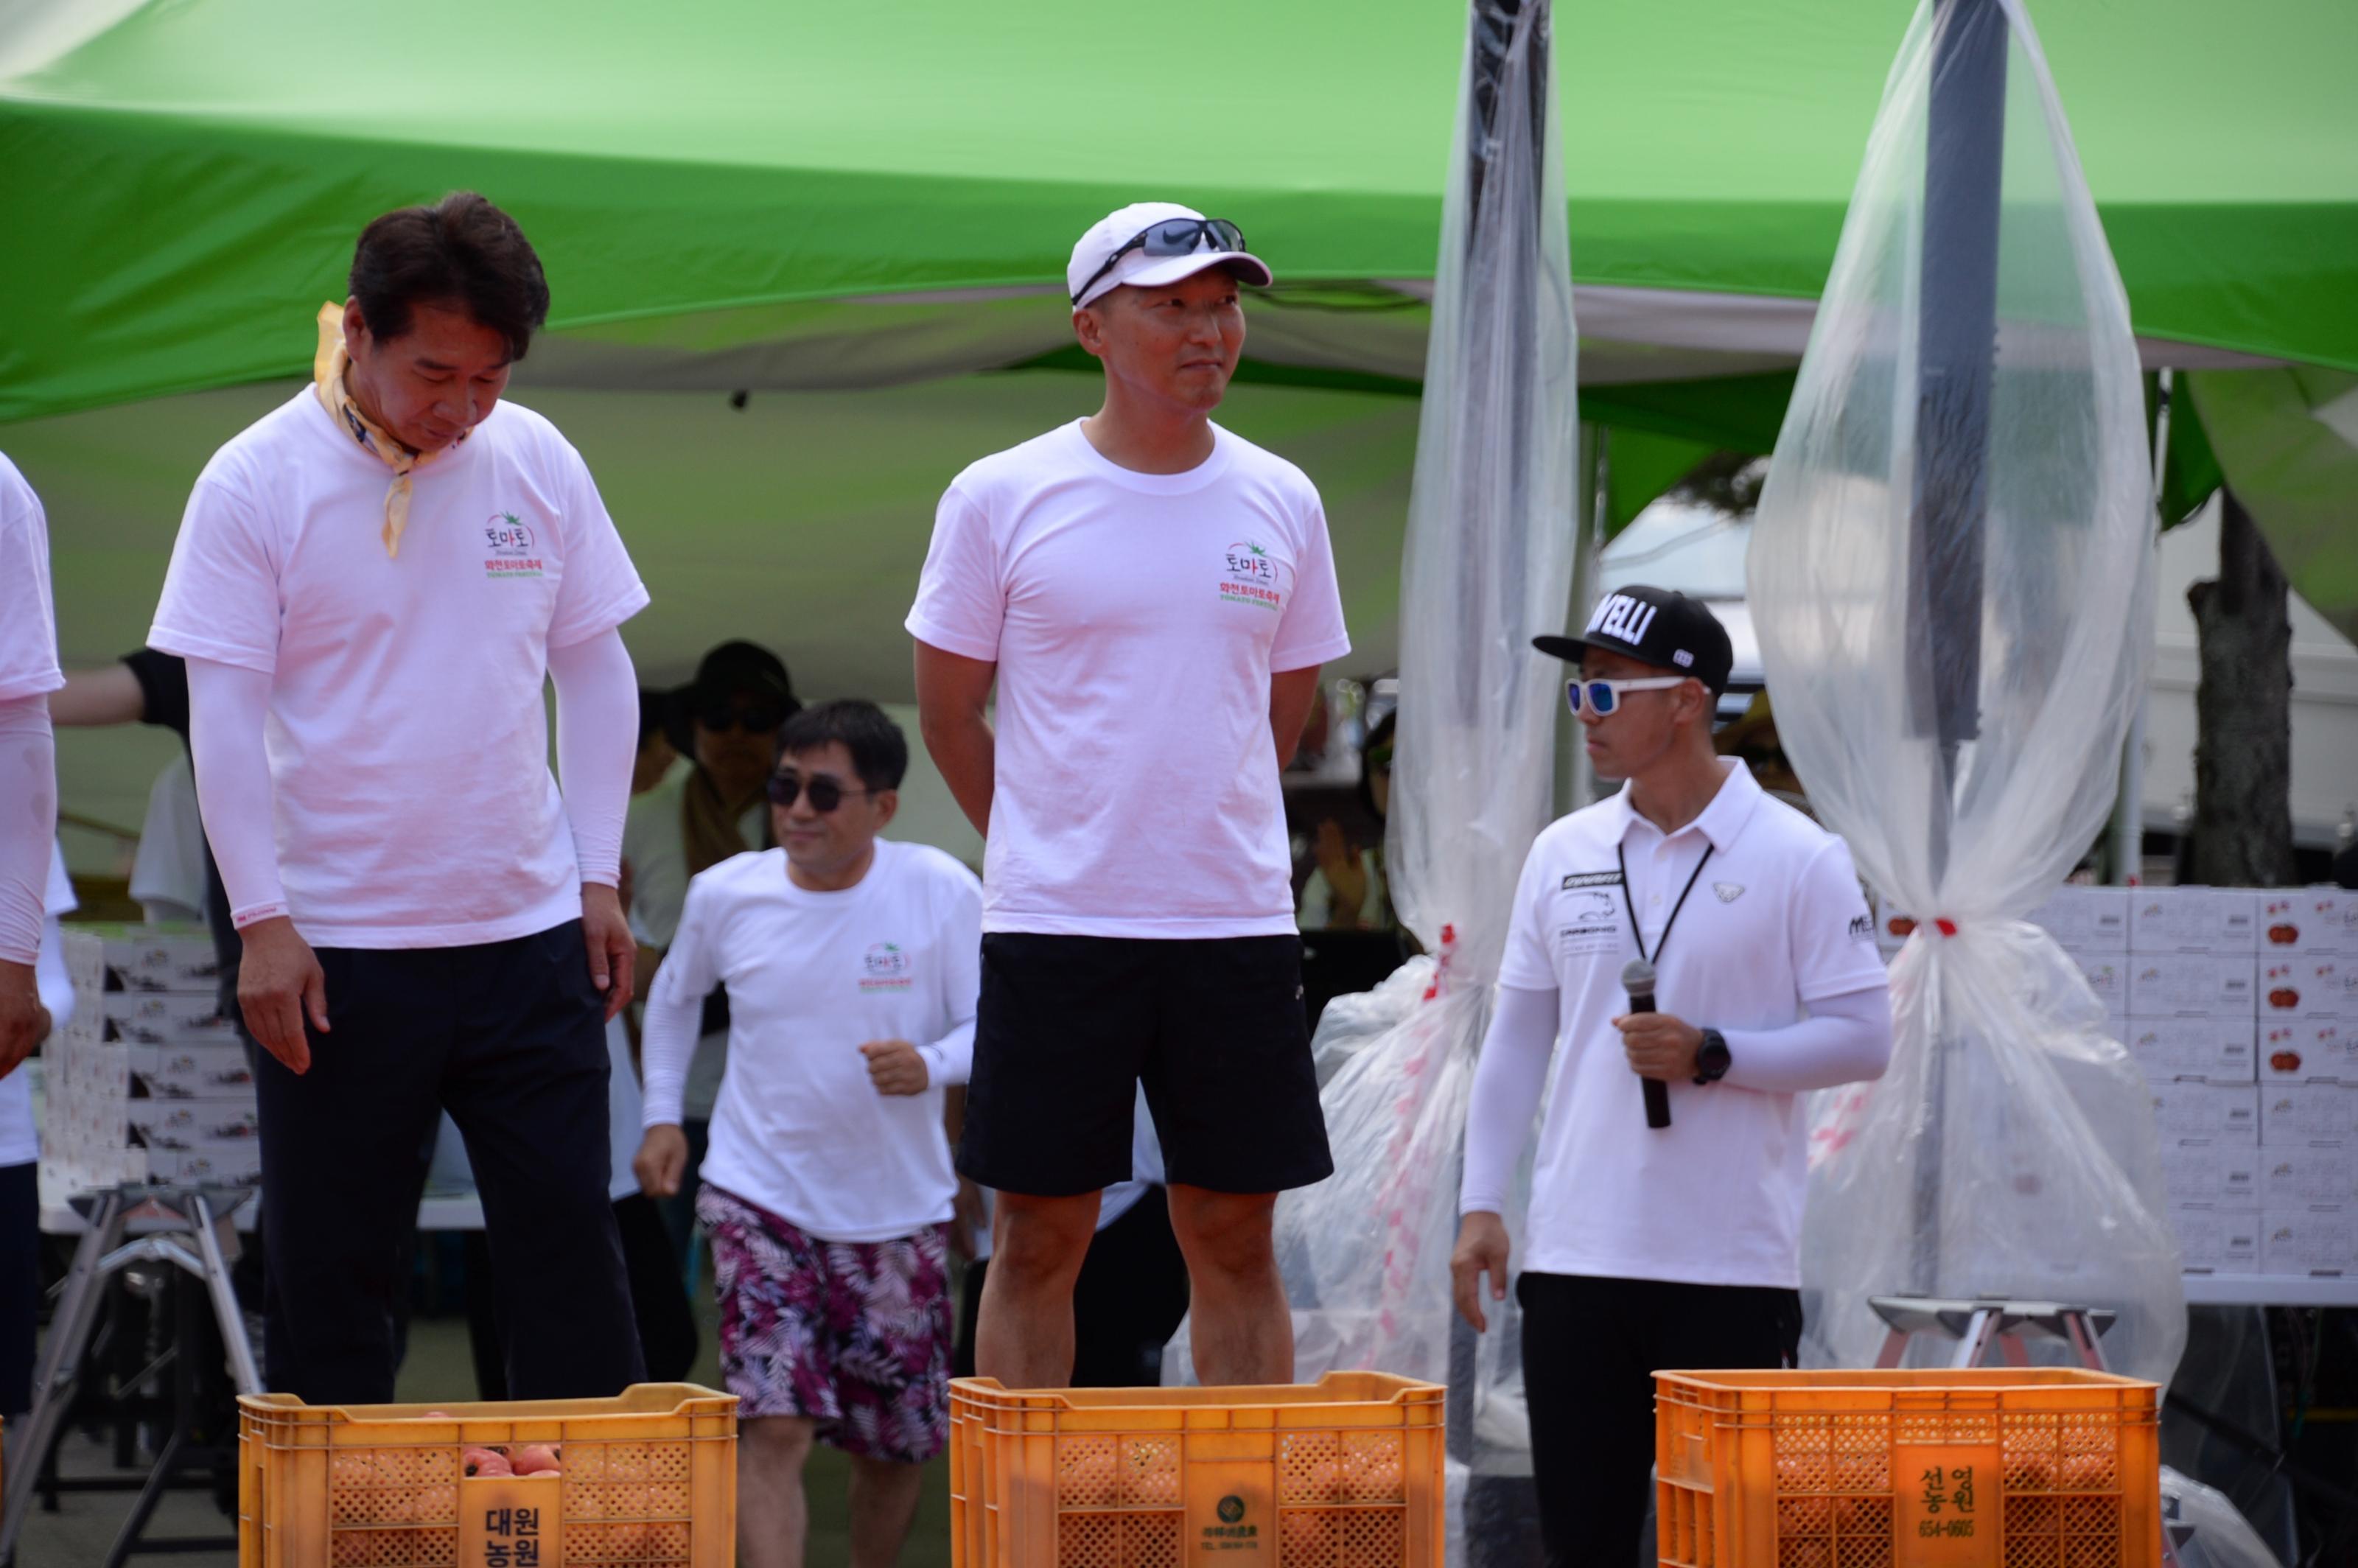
2128 813
1964 164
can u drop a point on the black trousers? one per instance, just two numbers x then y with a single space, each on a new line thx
510 1037
20 1284
667 1337
1591 1348
1127 1303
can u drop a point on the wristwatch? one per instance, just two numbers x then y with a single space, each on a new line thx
1712 1059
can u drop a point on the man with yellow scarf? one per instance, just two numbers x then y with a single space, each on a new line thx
370 585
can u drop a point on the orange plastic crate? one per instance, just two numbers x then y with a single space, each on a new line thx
649 1481
1992 1467
1345 1473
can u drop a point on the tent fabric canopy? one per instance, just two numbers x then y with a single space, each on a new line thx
740 187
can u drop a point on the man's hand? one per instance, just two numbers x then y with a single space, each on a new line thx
24 1021
277 985
966 1216
1660 1045
895 1068
661 1164
1482 1248
612 949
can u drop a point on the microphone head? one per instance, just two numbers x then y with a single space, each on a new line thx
1638 977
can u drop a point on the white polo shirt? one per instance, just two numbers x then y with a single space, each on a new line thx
1776 918
407 735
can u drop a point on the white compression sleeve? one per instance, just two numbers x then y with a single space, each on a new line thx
28 823
1508 1081
1845 1040
596 737
227 707
666 1047
950 1059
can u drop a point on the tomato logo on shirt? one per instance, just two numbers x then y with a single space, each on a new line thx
1251 576
887 966
508 539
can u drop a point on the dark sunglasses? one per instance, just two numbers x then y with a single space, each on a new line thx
1172 237
826 794
759 718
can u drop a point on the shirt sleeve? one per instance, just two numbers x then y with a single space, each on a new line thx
675 1007
1526 963
960 598
220 592
28 629
1833 933
1311 632
1845 1040
163 689
600 588
1509 1081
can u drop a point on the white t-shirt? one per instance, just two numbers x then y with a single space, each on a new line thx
20 1142
1776 919
407 736
1135 620
799 1129
167 872
28 629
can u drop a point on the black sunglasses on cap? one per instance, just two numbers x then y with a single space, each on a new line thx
1172 237
826 794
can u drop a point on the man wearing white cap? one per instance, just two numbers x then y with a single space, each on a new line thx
1152 597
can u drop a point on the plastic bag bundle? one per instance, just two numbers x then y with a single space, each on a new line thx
2222 1537
1952 577
1487 566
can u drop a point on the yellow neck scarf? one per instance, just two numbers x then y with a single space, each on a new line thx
327 368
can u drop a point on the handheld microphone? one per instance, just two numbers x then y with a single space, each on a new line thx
1637 979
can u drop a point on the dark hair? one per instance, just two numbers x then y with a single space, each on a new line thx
879 752
461 250
655 709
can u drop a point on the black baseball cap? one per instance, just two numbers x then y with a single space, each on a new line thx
1656 626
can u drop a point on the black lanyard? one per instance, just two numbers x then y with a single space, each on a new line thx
1630 900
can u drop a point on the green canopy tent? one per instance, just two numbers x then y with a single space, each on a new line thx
860 214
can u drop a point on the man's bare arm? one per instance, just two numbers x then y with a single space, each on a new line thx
952 692
1291 693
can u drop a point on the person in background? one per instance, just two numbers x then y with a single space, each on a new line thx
1346 890
1652 1246
150 686
20 1153
372 585
827 1187
28 673
656 754
691 821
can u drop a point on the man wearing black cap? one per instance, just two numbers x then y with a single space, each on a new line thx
1658 1247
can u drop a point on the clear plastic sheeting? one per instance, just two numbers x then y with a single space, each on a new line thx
1952 579
1488 566
2221 1537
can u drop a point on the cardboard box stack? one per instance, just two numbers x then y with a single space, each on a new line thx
2308 1060
2192 1025
148 1082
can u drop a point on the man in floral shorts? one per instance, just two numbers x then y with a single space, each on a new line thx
852 964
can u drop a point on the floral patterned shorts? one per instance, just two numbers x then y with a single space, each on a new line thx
853 1334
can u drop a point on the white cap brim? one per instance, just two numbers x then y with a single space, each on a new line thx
1138 270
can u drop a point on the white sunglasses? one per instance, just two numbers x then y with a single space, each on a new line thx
1605 696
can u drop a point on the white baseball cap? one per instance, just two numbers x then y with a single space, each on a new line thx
1088 277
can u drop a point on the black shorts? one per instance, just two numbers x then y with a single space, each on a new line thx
1070 1026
